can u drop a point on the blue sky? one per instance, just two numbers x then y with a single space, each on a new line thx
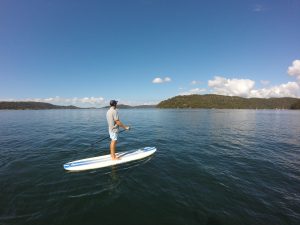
144 51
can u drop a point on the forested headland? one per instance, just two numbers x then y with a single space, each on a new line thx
211 101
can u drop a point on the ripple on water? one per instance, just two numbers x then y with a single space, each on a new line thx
212 166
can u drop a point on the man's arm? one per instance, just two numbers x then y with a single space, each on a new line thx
119 123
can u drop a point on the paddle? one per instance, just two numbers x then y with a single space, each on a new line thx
106 138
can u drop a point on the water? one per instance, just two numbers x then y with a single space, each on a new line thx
211 167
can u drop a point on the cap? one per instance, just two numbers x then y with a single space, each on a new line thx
113 102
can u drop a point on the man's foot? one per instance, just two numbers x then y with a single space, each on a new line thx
115 158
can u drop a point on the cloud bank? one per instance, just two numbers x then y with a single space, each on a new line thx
245 88
193 91
81 102
96 102
159 80
290 89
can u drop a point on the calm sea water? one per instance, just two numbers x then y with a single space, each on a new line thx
211 167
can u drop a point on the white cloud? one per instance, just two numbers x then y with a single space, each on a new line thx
91 100
231 87
245 88
159 80
193 91
294 70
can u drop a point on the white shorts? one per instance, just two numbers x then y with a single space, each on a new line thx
113 136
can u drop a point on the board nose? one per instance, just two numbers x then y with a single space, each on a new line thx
149 148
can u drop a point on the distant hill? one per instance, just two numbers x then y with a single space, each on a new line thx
33 105
144 106
227 102
121 106
296 105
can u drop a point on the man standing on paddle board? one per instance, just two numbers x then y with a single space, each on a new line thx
114 122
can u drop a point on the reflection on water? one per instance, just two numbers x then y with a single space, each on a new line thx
114 181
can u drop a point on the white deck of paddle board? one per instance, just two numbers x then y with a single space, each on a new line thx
104 161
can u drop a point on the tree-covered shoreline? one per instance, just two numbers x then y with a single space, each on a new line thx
42 105
32 105
210 101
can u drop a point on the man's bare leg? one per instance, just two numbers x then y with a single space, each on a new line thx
113 150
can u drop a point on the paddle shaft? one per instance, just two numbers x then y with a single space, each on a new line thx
105 138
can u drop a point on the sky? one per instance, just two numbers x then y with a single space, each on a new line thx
86 53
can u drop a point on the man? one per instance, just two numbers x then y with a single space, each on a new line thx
113 127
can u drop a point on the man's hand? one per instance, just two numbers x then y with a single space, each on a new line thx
127 128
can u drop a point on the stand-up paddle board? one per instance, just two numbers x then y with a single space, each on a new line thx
104 161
